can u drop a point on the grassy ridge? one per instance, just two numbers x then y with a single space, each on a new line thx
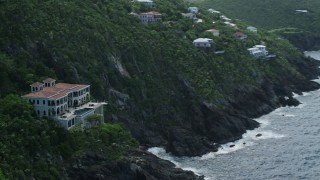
271 14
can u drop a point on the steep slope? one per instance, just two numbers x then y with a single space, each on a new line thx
159 86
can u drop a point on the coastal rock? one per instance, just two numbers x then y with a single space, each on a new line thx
137 165
185 143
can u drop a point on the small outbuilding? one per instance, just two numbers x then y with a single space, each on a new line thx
252 29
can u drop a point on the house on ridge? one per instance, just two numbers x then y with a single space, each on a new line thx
214 32
150 17
232 25
68 104
203 42
213 11
148 3
252 29
191 16
223 17
240 36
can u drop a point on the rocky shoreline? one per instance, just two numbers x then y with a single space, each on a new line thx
210 125
137 165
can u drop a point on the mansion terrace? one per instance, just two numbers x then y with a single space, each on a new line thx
69 104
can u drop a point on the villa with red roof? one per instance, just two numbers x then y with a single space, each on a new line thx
69 104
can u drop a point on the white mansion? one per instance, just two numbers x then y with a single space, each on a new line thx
69 104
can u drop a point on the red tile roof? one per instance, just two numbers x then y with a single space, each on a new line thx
151 13
57 91
239 34
36 84
212 30
48 80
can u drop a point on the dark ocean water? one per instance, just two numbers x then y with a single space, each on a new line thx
289 147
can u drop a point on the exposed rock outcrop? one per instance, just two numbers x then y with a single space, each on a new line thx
137 165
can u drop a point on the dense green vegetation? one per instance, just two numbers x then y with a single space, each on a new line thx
141 71
271 14
86 42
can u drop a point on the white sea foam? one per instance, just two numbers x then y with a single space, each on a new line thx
234 146
302 105
295 95
248 139
316 80
209 178
313 54
306 94
285 114
263 121
161 153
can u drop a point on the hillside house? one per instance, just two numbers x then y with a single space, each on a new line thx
223 17
191 16
149 17
232 25
148 3
193 10
203 42
213 11
252 29
258 51
240 36
214 32
69 104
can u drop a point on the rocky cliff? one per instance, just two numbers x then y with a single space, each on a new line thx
208 125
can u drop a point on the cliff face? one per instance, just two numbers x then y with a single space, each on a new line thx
208 126
305 41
